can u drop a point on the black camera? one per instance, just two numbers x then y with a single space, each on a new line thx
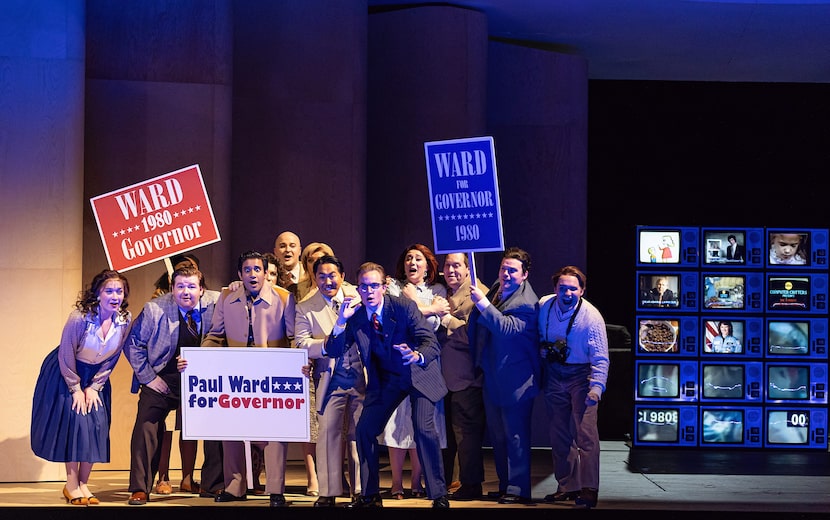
556 351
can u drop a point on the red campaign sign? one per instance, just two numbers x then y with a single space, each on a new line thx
154 219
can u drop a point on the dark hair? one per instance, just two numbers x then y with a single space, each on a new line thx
365 267
88 299
728 324
463 255
185 270
328 259
569 270
251 255
732 237
432 263
519 254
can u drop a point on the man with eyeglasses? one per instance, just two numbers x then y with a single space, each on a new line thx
402 358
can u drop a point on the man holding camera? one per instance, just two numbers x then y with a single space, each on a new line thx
574 350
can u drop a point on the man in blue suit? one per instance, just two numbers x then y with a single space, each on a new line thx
402 358
153 350
505 342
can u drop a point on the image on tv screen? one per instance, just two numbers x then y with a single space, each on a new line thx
723 336
788 293
723 381
788 338
660 247
725 247
723 426
658 380
659 291
724 292
789 248
788 382
657 424
788 426
658 335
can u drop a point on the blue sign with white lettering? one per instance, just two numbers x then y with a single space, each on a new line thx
464 195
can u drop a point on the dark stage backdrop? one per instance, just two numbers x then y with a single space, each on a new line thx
696 154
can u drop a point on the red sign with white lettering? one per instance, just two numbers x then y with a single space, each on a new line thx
154 219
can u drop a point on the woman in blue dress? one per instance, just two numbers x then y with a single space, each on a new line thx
72 400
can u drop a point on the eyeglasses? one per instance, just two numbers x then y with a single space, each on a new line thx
365 287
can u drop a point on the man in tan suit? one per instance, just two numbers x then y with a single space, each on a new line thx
340 382
255 314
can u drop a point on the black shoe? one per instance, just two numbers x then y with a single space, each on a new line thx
224 496
361 501
495 495
466 492
325 502
562 496
514 499
278 500
441 503
204 493
587 498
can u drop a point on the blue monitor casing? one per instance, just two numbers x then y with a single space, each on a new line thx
796 248
796 382
734 426
796 292
803 337
717 248
659 424
670 246
731 292
667 335
796 427
731 381
731 336
682 284
666 380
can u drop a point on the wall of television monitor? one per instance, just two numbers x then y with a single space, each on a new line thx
731 343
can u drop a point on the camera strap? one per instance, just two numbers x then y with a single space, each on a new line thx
570 323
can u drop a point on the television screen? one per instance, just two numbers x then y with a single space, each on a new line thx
722 426
658 336
788 337
789 382
797 248
788 427
790 293
793 427
665 425
733 247
670 245
732 292
667 291
732 381
737 426
723 336
723 381
670 381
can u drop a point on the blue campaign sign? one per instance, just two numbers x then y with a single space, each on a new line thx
464 195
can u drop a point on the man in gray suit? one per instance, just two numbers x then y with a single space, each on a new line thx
402 358
340 382
167 323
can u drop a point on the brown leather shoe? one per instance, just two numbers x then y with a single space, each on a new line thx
192 487
138 498
163 487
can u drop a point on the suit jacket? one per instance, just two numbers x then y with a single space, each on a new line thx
403 322
740 251
505 344
272 315
313 323
154 336
456 356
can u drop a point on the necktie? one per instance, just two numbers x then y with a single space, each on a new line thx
335 305
190 335
250 324
192 327
376 323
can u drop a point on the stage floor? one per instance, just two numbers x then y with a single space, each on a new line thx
674 482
